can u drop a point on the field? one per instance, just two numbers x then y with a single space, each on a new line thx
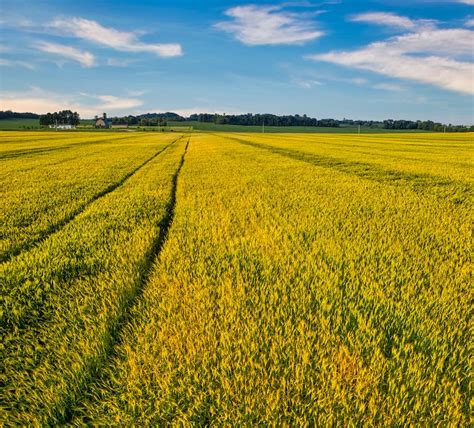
177 126
236 279
19 123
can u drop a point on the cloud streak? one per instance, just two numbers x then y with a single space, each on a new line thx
86 59
392 20
15 63
268 25
124 41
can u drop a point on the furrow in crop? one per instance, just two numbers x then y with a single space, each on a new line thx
59 225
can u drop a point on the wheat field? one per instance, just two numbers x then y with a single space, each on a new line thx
236 279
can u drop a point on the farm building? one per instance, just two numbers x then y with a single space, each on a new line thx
60 126
120 126
102 122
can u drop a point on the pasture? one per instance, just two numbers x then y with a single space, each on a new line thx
235 278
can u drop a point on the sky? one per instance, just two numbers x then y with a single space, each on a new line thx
375 60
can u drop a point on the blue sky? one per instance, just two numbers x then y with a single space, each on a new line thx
355 59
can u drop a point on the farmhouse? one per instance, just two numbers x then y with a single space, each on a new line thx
102 122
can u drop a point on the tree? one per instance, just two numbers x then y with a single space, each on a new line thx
64 117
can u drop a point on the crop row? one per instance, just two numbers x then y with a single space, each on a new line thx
447 157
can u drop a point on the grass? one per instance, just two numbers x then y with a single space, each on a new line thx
19 124
244 279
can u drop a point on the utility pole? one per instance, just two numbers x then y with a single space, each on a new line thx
359 130
263 126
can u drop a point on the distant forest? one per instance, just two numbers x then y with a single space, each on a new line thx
290 120
297 120
14 115
161 119
148 119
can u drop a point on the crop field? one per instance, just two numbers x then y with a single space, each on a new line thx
236 279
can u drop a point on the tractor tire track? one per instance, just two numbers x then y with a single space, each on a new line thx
444 188
15 251
115 331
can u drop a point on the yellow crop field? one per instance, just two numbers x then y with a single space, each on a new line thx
236 279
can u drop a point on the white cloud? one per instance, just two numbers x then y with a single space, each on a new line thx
392 20
381 18
388 87
119 40
306 83
469 23
356 80
112 102
119 62
268 25
133 93
86 59
470 2
433 56
14 63
40 101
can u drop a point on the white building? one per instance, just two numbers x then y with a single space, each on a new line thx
62 126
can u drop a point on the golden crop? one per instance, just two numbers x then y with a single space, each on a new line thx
303 280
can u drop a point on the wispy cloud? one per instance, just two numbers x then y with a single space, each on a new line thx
86 59
15 63
119 62
441 57
469 23
392 20
306 83
40 101
123 41
388 87
269 25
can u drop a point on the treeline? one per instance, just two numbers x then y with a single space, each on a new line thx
260 119
65 117
8 114
147 119
426 125
297 120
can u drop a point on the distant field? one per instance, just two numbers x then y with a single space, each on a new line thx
211 127
19 123
153 279
204 126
